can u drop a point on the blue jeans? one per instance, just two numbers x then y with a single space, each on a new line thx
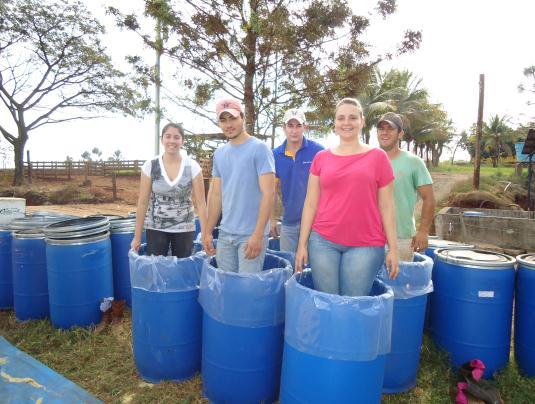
343 270
230 253
289 236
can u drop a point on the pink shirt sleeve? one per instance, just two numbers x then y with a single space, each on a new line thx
315 168
385 173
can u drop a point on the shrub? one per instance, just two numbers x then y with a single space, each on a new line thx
64 195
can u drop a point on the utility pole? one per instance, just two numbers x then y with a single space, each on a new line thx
157 82
479 131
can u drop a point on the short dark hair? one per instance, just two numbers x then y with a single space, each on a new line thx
173 125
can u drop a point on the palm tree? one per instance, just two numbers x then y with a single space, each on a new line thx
375 101
496 134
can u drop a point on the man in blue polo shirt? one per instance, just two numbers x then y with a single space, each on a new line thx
292 164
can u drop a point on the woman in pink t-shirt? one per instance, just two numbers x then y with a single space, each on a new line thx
348 215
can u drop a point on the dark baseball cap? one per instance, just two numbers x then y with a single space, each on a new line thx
393 119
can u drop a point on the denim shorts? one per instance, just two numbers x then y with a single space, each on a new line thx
230 253
289 236
343 270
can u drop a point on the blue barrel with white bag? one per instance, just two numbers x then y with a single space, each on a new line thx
243 327
410 288
334 346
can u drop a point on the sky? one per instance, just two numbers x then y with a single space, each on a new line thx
461 39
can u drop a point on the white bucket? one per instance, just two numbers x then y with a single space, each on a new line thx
11 208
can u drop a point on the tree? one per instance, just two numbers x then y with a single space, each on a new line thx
496 136
529 86
54 69
396 90
116 156
376 99
86 156
529 73
97 152
461 142
268 53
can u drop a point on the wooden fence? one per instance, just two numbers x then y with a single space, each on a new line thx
62 169
66 169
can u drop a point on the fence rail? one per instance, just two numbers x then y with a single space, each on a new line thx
66 169
55 169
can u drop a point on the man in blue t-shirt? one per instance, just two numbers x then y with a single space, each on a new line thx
292 164
242 188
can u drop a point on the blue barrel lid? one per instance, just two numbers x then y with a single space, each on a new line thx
482 259
79 240
440 243
80 227
123 225
527 260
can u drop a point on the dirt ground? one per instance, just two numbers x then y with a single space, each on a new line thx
101 187
127 193
442 185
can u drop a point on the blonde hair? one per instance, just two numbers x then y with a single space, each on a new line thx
349 101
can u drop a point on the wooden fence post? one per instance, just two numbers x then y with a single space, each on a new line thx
29 166
114 185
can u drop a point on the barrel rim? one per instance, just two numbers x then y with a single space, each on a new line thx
78 241
28 234
77 234
507 264
336 298
521 259
12 198
78 224
123 230
460 245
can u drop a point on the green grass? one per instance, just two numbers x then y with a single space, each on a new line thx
503 170
102 364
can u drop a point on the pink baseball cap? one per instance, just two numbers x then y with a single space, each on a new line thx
230 105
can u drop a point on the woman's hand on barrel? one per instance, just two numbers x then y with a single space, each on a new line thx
136 242
301 258
392 263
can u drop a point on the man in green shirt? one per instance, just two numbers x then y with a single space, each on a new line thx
412 179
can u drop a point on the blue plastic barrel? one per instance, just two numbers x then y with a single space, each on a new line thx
166 316
287 255
197 227
6 274
30 284
525 315
435 244
471 313
243 326
120 245
122 232
410 288
79 278
334 346
274 243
